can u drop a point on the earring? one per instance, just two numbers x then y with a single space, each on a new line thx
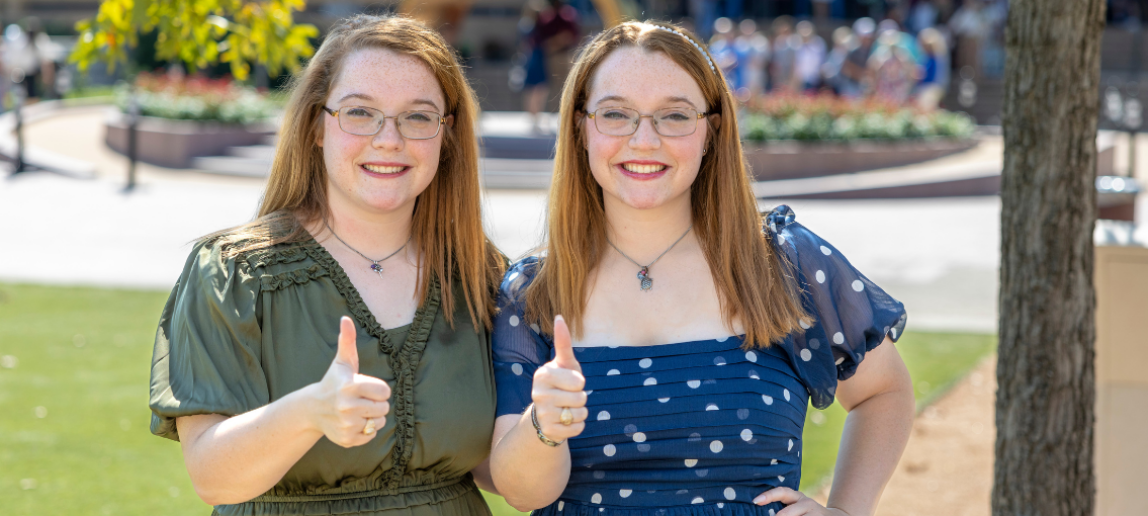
704 151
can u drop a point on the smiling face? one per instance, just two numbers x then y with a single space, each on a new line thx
385 172
644 170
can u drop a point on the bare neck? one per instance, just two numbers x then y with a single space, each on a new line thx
372 233
644 234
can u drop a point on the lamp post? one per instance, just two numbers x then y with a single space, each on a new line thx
133 118
18 97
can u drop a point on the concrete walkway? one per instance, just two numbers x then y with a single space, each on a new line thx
939 256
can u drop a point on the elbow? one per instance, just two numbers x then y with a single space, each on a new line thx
908 399
218 495
210 496
524 500
523 505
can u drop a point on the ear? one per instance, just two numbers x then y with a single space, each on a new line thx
449 120
715 120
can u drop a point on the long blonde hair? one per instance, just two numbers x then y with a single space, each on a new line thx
754 284
447 224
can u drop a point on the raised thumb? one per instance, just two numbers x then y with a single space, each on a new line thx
563 348
348 353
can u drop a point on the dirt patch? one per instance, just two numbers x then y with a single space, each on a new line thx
947 467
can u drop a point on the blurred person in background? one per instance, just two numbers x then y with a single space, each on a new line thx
752 49
855 72
810 54
534 78
25 60
821 9
831 70
970 26
366 270
723 52
444 16
992 46
552 41
889 33
785 44
923 15
935 70
705 13
894 70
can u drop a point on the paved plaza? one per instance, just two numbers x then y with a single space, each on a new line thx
939 256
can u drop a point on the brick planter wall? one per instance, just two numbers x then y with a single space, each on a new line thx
796 159
174 143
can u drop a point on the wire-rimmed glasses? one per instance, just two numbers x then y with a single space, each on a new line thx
365 121
621 121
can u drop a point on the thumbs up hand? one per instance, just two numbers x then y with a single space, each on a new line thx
350 407
558 385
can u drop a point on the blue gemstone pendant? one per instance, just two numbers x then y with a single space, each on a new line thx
377 268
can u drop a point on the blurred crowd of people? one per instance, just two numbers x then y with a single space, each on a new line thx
28 63
906 57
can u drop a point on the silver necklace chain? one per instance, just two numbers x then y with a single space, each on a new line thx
644 270
374 263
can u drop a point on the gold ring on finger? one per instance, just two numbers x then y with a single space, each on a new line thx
567 416
369 428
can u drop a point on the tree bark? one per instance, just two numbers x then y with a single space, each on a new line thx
1046 394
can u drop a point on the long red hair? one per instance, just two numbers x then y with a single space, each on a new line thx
447 226
754 284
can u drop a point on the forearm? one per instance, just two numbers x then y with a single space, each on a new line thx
527 472
236 459
875 435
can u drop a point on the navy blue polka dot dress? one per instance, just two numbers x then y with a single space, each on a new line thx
702 427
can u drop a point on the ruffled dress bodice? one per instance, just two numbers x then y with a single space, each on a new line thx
240 331
701 428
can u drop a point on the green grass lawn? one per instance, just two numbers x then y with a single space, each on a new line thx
74 438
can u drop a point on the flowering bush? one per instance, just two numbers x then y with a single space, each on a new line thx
197 98
826 117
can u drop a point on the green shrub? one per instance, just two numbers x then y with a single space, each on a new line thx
829 118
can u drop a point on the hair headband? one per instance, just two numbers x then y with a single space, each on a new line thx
692 42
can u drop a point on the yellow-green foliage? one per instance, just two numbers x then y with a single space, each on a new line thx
199 33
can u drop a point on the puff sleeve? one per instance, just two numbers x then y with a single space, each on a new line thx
207 351
519 348
851 314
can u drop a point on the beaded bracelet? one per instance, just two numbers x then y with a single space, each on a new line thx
538 428
692 42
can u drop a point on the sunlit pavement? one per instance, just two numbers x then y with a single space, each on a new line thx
939 256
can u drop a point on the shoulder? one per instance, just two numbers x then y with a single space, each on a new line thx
273 239
254 253
519 276
791 237
212 260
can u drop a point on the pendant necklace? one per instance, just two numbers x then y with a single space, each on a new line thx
647 282
374 263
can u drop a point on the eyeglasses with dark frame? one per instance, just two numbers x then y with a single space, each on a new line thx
621 121
365 121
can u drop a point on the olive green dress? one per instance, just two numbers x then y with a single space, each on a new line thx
240 332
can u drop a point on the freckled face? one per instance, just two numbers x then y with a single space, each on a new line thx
644 170
384 172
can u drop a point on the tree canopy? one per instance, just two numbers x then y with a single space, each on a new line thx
199 33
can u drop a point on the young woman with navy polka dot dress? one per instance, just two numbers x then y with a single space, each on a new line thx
680 384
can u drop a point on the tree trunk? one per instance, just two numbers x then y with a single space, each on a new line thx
1045 400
